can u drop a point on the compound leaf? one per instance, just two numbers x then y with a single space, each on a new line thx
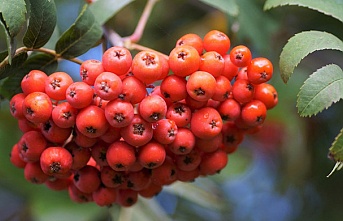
81 36
42 22
301 45
323 88
106 9
229 7
331 7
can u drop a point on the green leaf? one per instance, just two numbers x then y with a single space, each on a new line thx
301 45
13 15
12 19
229 7
323 88
7 69
336 152
41 61
106 9
81 36
332 8
42 22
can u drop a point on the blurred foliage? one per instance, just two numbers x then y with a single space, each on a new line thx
278 174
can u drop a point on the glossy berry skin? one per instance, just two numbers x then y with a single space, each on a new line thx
151 155
34 81
201 86
174 88
37 107
56 161
223 89
117 60
108 86
147 67
213 162
260 70
191 39
105 196
119 113
139 132
229 109
127 197
64 115
54 133
184 60
87 179
188 162
267 94
16 105
165 131
153 108
34 174
243 91
31 145
165 174
89 70
183 143
56 85
209 145
180 113
218 41
240 56
79 95
254 113
91 121
230 70
80 155
112 178
206 123
120 156
212 62
15 158
133 90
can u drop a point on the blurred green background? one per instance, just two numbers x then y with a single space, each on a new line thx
278 174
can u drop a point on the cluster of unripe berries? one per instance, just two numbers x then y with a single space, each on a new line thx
136 123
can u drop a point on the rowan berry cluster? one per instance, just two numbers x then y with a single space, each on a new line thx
108 139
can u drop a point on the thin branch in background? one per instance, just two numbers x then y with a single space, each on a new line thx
137 34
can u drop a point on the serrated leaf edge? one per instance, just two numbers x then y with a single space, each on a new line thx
333 102
267 7
285 78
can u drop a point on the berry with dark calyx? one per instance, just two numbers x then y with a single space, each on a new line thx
56 161
147 67
87 179
206 123
112 178
151 155
201 86
153 108
138 133
105 196
108 86
64 115
240 56
133 90
119 113
254 113
184 60
16 106
260 70
31 145
174 88
91 121
37 107
89 70
212 62
34 174
79 95
56 85
193 40
214 162
80 155
267 94
15 158
117 60
165 131
183 143
120 156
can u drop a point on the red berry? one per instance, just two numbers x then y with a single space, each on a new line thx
184 60
117 60
216 41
